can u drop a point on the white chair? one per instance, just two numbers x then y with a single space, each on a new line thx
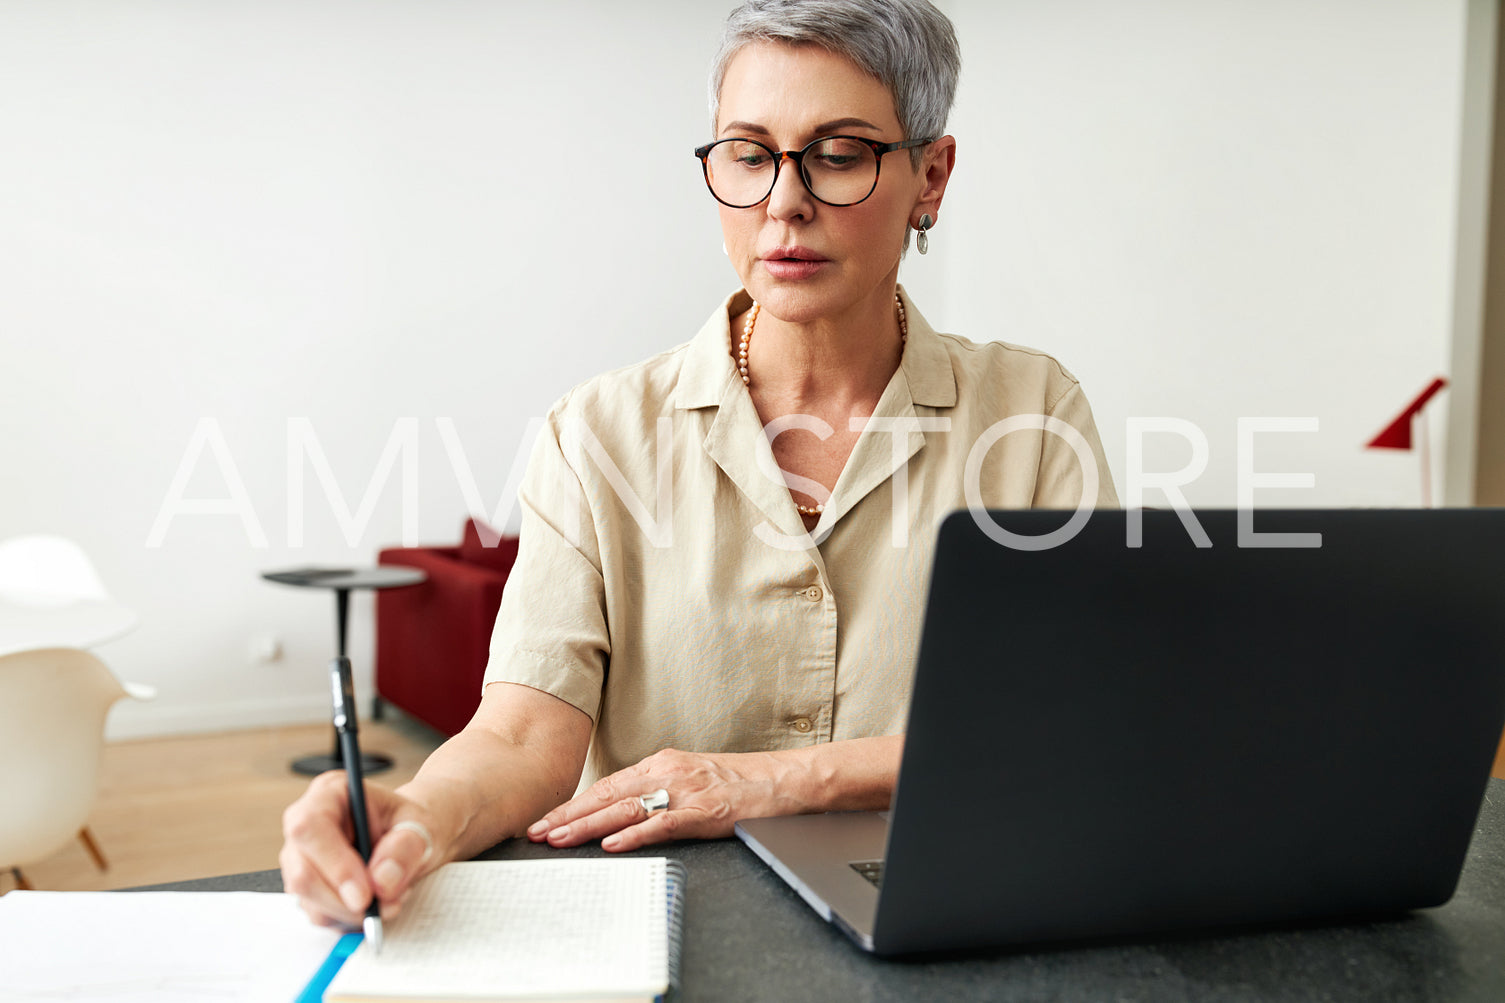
44 568
53 703
51 596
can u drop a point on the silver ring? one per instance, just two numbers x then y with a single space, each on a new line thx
654 801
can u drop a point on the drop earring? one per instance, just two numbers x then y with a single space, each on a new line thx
922 241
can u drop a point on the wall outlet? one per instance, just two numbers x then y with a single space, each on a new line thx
266 649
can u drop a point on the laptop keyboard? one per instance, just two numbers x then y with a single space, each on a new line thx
870 869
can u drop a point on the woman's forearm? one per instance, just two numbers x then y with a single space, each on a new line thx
478 792
519 757
853 775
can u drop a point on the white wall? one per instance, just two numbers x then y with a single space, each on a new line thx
1216 210
369 212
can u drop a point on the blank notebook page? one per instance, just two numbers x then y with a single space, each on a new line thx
528 928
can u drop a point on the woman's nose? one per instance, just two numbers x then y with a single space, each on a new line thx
790 199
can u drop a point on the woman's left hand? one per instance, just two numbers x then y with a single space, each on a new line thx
708 793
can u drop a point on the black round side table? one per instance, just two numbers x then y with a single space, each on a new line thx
342 580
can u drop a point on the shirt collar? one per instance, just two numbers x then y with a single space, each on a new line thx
708 373
926 363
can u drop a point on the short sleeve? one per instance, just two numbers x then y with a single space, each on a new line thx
551 630
1059 483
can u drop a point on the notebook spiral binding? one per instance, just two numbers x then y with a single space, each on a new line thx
675 877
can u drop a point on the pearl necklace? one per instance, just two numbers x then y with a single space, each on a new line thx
747 330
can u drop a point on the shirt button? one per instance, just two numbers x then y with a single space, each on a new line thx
813 593
803 725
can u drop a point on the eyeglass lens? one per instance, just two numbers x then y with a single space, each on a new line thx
839 171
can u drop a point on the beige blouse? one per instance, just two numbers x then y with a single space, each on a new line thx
666 585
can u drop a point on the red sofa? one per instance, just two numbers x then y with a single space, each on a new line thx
432 640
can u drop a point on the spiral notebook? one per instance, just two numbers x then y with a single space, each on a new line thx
575 928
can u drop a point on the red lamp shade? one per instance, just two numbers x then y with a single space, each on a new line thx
1397 434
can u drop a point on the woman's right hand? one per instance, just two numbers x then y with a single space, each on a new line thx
320 863
520 756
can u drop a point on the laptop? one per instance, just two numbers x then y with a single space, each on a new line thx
1108 740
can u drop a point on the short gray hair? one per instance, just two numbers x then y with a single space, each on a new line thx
909 45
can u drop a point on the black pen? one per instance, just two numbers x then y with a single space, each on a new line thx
350 752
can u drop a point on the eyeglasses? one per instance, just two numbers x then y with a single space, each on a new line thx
837 170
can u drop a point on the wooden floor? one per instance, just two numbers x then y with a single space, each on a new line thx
171 809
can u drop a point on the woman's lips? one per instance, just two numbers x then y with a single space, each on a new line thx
792 268
793 263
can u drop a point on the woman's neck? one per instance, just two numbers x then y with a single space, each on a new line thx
832 362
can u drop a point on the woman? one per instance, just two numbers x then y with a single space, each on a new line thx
724 548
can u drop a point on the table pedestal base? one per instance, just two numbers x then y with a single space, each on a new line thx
312 766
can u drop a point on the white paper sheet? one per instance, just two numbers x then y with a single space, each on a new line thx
162 947
533 929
